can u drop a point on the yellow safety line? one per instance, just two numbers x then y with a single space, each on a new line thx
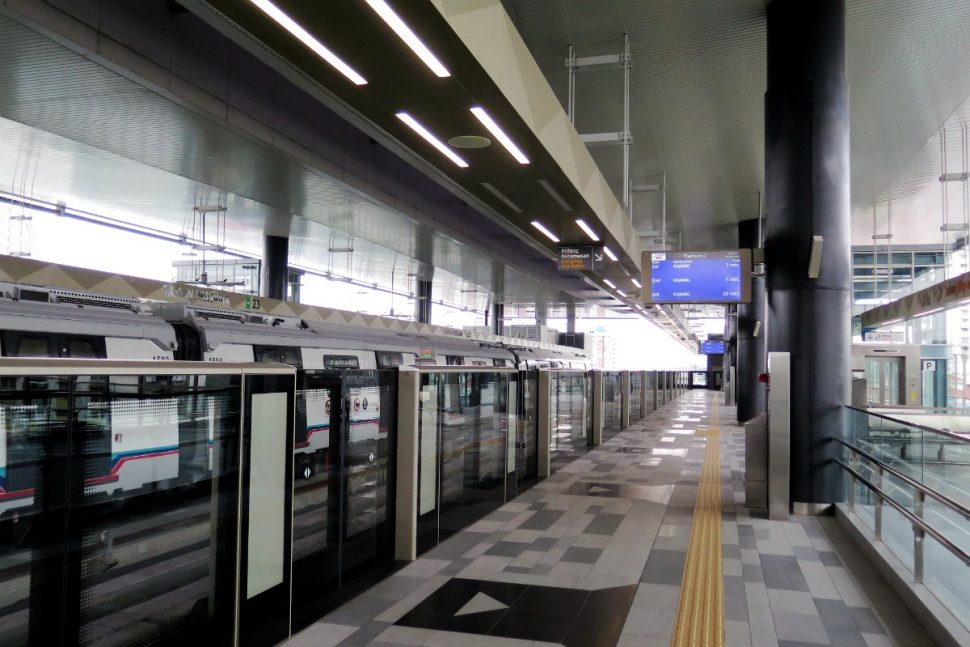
700 613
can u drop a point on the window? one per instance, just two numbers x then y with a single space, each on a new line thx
81 347
282 354
389 359
31 344
455 360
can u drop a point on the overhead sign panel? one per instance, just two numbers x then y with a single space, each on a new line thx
577 259
722 276
712 347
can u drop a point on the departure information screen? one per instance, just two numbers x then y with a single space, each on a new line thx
697 277
712 347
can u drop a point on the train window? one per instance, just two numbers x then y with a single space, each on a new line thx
455 360
499 362
89 347
478 362
265 353
290 355
388 359
18 344
341 361
282 354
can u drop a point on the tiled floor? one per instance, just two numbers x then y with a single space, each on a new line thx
595 555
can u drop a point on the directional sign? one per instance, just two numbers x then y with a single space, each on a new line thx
577 259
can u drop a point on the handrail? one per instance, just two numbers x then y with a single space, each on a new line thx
942 498
913 519
931 430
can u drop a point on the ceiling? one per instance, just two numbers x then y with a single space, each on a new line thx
73 130
396 81
698 83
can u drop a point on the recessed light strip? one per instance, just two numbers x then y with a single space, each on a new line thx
555 194
431 139
301 34
501 196
410 39
636 283
500 135
589 230
609 252
548 234
609 283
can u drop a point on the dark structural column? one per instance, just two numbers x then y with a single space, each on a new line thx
422 300
498 318
276 267
570 316
806 194
751 394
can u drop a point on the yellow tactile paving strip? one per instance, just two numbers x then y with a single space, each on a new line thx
700 613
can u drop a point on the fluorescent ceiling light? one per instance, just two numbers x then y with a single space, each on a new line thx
589 231
431 139
410 39
890 322
551 236
301 34
636 283
500 135
929 312
609 283
609 252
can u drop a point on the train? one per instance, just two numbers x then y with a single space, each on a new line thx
147 440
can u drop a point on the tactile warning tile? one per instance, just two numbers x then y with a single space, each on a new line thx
700 613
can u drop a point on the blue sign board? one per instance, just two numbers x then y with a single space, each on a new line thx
698 277
712 347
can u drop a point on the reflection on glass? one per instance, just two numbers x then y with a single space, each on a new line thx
130 474
612 403
569 438
343 465
470 436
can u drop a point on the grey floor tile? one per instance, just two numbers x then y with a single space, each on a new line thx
365 634
800 627
664 567
782 572
604 524
541 520
507 549
582 555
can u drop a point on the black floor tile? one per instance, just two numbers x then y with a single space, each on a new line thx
551 614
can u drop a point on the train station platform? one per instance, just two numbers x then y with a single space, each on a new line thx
645 540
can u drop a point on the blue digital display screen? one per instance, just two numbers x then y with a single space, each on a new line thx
700 277
712 347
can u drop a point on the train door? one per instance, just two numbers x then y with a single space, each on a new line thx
521 451
884 380
343 490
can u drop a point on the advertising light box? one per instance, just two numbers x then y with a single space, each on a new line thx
712 347
722 276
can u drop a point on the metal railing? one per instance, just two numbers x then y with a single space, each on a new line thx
882 477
